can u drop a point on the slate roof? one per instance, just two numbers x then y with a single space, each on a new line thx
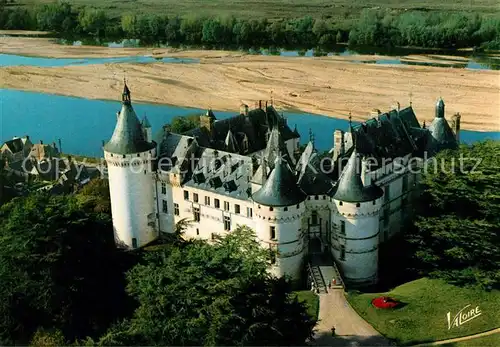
350 187
252 127
442 135
15 145
41 151
222 173
310 176
128 137
280 188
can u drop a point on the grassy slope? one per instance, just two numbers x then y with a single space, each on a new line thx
424 317
486 341
311 300
274 8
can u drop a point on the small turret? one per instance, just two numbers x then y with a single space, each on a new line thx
440 108
207 121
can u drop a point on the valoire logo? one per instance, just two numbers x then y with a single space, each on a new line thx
463 316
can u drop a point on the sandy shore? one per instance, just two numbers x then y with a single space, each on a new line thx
223 80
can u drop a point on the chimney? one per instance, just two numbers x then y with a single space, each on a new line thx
244 109
456 125
260 104
41 142
27 137
338 141
375 112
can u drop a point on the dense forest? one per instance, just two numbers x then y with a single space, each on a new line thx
374 27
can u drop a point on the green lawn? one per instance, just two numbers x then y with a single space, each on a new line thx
486 341
312 301
273 8
423 318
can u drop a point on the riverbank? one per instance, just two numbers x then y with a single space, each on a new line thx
314 85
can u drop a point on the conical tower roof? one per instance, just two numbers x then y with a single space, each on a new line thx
281 188
128 137
350 188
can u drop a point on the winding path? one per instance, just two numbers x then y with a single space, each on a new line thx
350 328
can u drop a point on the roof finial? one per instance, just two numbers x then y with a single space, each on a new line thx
126 93
350 122
423 126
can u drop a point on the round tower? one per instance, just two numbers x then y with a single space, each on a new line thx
129 157
279 206
356 216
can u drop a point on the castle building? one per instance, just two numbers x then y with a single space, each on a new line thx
249 170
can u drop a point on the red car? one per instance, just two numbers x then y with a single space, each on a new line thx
385 302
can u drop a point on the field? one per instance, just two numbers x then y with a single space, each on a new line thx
423 318
274 8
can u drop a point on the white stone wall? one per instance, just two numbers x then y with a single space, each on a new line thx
361 239
131 186
211 217
289 239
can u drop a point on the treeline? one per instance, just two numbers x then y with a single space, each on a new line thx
373 28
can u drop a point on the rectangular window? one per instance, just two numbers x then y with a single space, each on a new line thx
405 183
342 227
387 192
186 195
272 233
342 252
272 255
207 200
195 197
163 188
196 214
217 203
226 206
197 231
249 212
164 206
176 209
386 217
134 242
237 209
227 223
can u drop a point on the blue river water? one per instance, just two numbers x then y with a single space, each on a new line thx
83 124
19 60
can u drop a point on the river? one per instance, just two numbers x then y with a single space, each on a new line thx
83 124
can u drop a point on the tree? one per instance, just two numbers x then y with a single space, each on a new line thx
93 21
59 269
181 124
457 234
203 294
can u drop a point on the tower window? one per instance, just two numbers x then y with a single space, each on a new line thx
196 214
358 204
271 209
285 209
195 197
163 188
226 206
316 197
342 227
272 232
387 193
237 209
249 212
298 206
314 218
197 231
164 206
207 200
386 217
342 252
186 195
134 242
217 203
227 223
176 209
272 256
340 203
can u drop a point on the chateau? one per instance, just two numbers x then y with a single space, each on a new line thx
249 170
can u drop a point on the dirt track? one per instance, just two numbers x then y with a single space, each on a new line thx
328 86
